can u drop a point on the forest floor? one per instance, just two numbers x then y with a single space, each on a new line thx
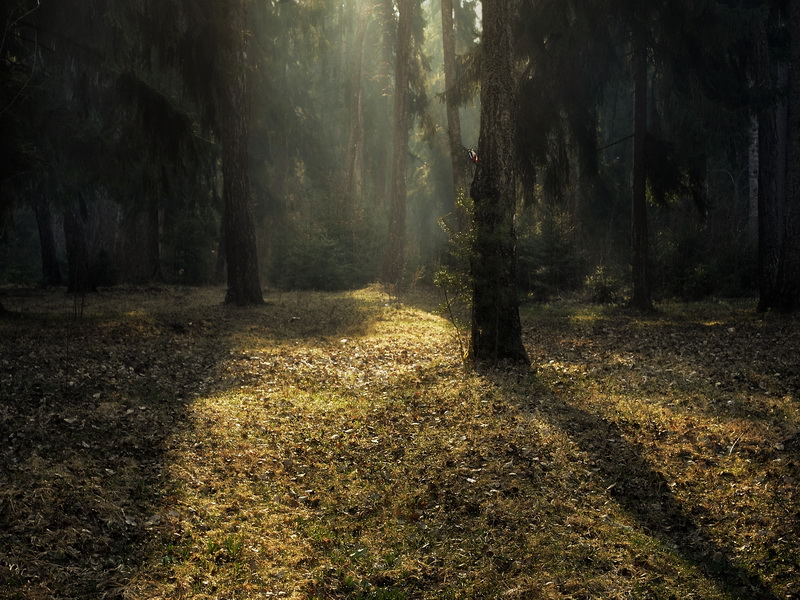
157 444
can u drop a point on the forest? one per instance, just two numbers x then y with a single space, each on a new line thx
399 299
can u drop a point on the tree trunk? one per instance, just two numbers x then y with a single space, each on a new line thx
457 158
496 330
77 250
47 241
639 238
752 169
154 239
354 170
394 261
241 253
769 222
789 270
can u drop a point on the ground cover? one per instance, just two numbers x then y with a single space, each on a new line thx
156 444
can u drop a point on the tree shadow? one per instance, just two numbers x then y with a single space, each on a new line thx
643 492
726 362
89 412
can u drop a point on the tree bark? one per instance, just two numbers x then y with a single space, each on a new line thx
752 170
51 273
769 222
394 261
354 170
241 252
77 251
639 237
154 239
457 158
496 330
789 270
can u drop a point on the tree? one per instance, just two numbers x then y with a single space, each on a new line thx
769 180
354 169
788 294
204 44
457 158
51 272
394 260
603 74
241 253
496 329
639 239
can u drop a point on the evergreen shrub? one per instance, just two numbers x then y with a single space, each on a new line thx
604 286
549 262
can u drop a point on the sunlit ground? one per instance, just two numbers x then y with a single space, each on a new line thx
332 446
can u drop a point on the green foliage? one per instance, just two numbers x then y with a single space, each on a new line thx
604 286
315 257
549 260
692 264
452 276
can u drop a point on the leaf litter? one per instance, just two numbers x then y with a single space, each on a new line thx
332 446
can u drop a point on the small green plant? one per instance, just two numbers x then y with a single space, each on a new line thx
603 286
233 546
452 276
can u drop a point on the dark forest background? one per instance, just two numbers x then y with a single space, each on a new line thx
114 117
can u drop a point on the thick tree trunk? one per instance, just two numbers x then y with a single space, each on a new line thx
394 261
496 330
241 253
457 158
639 237
769 221
789 271
47 241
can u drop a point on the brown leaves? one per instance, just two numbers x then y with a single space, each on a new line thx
243 453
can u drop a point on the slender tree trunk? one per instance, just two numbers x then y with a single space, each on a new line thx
219 267
47 241
394 261
355 144
154 239
752 169
496 330
77 251
769 222
241 252
639 238
457 158
789 270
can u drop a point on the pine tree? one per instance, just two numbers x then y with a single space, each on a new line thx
496 329
394 260
205 44
788 297
457 158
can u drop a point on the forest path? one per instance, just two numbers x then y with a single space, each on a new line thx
332 446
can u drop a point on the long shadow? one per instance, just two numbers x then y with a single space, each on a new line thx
645 494
88 412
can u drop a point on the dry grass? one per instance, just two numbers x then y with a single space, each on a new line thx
331 446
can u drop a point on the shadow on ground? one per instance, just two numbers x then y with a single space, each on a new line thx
89 400
645 495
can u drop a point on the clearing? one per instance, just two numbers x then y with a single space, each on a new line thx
157 444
